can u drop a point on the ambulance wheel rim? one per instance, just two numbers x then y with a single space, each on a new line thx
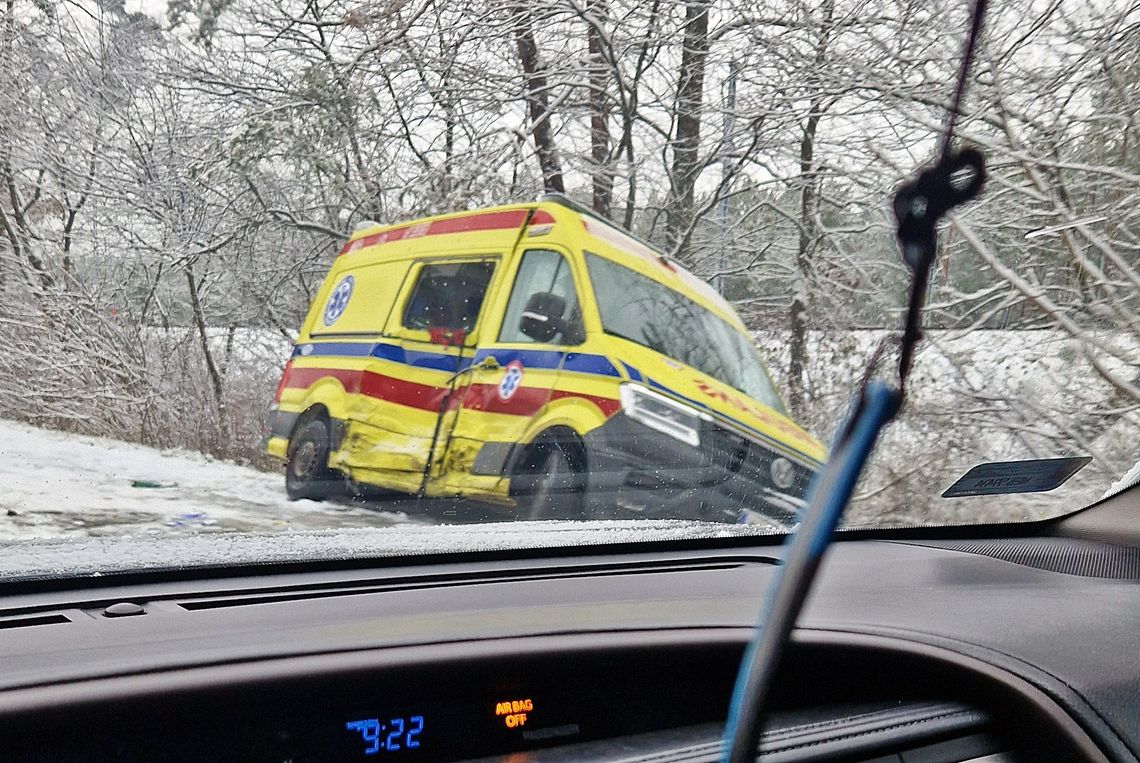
305 459
307 474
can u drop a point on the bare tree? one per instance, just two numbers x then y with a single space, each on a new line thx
800 309
687 122
536 85
597 12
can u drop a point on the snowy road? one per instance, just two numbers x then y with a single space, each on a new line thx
55 485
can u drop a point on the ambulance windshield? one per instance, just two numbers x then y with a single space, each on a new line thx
651 314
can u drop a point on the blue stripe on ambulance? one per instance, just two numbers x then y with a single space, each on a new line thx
546 359
577 362
390 352
343 349
598 365
630 371
416 358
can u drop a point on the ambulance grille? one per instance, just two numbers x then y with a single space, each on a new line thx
749 458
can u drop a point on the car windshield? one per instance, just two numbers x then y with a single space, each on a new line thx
637 308
320 280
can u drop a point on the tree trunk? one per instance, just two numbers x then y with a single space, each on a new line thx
538 102
211 367
448 149
687 121
799 314
597 13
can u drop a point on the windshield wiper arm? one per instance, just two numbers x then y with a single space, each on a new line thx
920 205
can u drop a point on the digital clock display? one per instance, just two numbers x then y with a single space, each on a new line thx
390 735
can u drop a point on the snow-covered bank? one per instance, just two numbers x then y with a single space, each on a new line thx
54 484
973 397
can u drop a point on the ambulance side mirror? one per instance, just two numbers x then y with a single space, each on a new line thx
541 320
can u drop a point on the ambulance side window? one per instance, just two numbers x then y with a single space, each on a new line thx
448 296
543 271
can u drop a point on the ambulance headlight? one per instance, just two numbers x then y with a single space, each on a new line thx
662 414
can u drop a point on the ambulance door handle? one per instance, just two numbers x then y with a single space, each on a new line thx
486 364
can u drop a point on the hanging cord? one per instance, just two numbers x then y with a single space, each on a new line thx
919 205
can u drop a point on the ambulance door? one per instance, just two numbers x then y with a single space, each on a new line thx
513 372
334 358
430 336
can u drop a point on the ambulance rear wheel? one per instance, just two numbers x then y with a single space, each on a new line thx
307 474
550 481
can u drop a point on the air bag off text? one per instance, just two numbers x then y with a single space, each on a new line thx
513 712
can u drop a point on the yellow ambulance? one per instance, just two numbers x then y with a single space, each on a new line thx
538 359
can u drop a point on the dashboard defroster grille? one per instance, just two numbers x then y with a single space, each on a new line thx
1066 555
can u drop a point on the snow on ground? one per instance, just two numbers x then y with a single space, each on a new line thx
87 506
54 484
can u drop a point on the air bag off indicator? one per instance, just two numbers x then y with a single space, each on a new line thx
514 711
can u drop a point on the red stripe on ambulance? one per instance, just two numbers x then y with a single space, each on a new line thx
510 218
526 401
422 396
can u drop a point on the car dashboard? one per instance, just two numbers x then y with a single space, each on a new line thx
927 647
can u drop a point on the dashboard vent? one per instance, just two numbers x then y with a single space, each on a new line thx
1066 555
930 732
28 622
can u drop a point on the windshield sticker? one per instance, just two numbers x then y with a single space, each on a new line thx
338 300
1000 477
512 380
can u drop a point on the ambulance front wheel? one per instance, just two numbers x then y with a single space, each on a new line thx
550 480
306 469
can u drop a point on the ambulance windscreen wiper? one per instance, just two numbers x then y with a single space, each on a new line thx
920 204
